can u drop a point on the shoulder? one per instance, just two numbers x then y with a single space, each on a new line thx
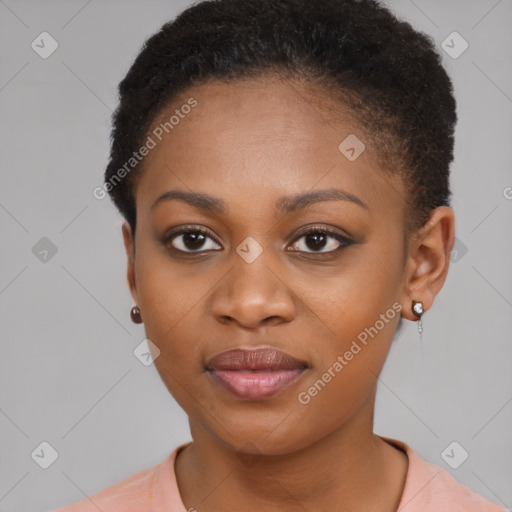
131 494
150 489
429 487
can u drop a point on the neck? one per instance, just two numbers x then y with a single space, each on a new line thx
350 466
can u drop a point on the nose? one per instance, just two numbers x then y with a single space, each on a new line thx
252 295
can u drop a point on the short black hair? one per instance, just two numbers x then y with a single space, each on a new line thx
389 74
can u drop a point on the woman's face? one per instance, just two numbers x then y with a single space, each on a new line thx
257 278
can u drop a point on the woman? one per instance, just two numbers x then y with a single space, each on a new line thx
282 167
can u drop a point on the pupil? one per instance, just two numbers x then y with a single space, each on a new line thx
319 240
193 240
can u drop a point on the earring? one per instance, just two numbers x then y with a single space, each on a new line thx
135 315
417 310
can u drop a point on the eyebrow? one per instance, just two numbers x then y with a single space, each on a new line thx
286 204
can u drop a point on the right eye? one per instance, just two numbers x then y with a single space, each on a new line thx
191 239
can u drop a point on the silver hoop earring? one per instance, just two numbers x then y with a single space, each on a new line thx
417 310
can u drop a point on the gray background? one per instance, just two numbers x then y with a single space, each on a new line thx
68 375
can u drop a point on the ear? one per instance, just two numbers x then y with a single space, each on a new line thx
129 245
428 260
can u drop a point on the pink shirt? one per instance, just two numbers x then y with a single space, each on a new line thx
428 488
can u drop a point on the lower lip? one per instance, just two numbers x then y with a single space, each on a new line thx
255 385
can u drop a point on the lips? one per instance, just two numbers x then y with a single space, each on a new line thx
255 374
261 359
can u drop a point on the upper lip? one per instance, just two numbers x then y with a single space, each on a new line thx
254 359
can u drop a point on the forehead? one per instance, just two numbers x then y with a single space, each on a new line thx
267 135
249 112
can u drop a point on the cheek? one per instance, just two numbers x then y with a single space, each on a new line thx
344 382
357 313
352 355
358 300
168 298
164 291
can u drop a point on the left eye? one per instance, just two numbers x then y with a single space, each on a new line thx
192 240
320 241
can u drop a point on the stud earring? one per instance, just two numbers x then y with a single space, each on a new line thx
135 315
417 310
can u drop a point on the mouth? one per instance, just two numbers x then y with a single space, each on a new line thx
255 374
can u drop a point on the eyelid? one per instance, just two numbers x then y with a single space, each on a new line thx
324 228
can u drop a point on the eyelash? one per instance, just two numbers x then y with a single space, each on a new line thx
345 241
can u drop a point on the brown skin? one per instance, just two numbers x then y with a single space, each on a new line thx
249 144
